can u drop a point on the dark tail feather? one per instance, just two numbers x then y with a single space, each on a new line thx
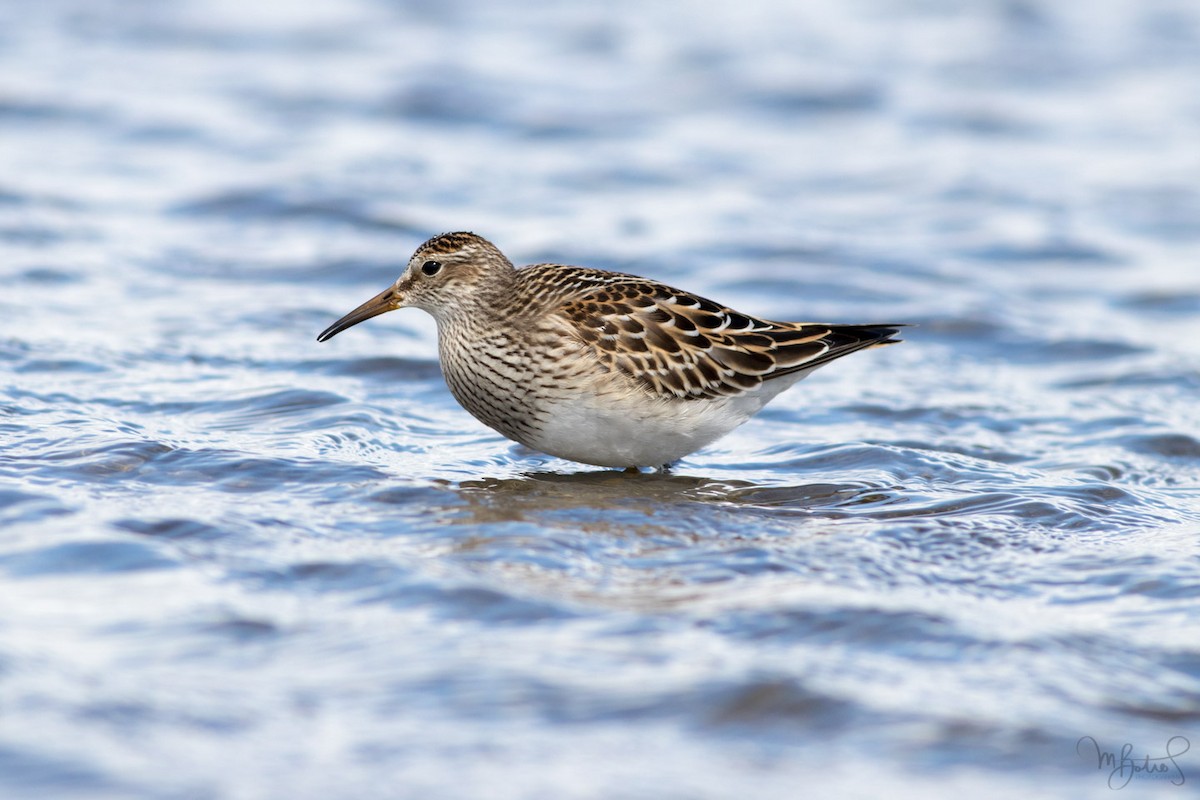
846 339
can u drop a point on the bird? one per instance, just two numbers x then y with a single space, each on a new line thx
600 367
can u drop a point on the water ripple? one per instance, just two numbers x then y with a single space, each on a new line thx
84 557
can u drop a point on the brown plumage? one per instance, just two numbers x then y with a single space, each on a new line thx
598 366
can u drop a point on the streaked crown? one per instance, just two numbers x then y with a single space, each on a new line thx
452 272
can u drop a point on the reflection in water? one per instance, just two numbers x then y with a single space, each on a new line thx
599 490
658 501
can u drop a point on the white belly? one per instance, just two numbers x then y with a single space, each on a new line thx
639 431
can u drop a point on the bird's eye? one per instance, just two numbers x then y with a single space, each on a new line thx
431 268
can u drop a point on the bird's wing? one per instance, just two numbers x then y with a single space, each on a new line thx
677 344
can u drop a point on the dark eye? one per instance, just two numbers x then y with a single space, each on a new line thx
431 267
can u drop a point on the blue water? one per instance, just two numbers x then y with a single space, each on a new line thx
235 563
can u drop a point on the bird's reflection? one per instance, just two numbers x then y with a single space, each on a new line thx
611 497
660 500
614 539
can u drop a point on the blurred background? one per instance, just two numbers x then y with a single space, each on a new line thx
236 563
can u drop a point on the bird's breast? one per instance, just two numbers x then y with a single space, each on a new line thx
553 395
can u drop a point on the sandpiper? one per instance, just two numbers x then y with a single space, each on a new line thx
600 367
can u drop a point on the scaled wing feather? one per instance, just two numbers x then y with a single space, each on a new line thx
676 344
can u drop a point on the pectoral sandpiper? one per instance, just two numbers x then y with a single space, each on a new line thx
600 367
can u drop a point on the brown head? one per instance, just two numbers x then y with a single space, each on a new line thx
448 275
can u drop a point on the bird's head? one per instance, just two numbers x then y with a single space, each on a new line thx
447 276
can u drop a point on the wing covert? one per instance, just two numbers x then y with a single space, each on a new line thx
680 345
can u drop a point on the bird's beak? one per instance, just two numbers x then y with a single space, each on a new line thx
387 300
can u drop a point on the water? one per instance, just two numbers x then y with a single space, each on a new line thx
235 563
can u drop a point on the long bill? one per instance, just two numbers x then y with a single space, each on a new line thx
385 301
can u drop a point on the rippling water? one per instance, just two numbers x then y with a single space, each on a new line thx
236 563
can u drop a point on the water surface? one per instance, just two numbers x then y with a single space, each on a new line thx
235 563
